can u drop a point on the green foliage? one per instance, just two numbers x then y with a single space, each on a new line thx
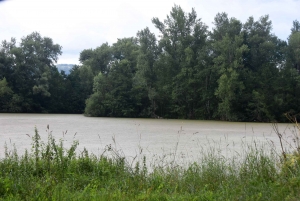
235 72
228 63
28 69
294 48
5 95
146 74
114 91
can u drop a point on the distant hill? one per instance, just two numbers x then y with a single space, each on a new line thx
65 67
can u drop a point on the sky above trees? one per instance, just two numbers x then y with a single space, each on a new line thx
78 25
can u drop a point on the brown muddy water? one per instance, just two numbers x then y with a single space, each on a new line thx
160 140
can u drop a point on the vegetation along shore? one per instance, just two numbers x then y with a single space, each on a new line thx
235 71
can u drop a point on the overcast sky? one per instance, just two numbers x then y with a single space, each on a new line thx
78 25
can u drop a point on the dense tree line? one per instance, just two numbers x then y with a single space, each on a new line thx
236 72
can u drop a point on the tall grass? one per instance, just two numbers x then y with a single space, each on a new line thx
50 171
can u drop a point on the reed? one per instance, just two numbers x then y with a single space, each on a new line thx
50 171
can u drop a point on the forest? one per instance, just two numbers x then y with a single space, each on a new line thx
234 71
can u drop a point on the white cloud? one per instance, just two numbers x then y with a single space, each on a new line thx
78 25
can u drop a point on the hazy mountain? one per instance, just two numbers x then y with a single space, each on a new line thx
65 67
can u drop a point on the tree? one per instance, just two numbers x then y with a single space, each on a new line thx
183 37
294 49
289 84
5 95
99 103
7 59
146 74
262 63
296 26
228 51
98 59
28 69
230 86
113 93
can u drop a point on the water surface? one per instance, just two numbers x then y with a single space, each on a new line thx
181 139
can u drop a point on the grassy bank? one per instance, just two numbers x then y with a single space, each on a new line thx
49 171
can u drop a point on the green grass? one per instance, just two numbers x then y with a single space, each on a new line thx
49 171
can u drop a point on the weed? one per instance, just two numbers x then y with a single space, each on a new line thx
52 172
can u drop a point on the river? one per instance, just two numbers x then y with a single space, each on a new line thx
157 139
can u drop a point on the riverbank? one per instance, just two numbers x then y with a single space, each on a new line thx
49 171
